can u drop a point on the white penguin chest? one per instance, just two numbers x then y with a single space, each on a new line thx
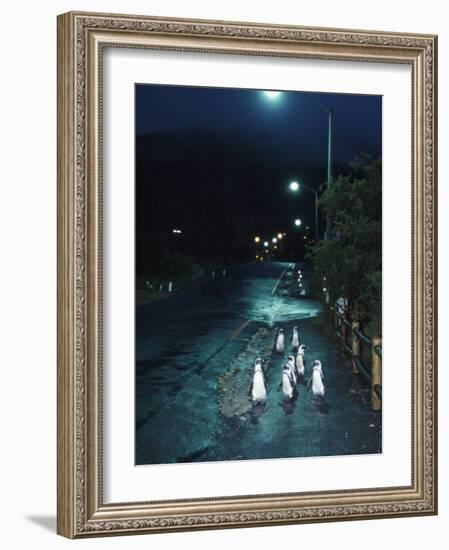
317 384
259 390
280 342
286 384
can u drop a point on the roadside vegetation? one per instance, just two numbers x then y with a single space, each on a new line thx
350 264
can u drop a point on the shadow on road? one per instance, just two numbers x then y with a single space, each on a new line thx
320 405
257 410
289 404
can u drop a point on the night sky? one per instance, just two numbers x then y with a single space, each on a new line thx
197 146
293 122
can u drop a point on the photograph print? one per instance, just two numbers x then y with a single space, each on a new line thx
258 274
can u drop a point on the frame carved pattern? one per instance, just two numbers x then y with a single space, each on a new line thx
73 517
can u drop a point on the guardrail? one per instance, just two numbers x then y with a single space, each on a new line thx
365 352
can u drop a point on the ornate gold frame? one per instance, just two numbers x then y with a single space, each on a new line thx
81 37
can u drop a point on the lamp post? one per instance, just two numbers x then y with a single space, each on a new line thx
330 148
295 186
316 207
330 158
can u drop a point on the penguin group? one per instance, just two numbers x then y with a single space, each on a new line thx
293 371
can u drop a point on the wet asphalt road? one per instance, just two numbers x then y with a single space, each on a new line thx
184 343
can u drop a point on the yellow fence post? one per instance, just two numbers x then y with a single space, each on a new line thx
376 374
355 346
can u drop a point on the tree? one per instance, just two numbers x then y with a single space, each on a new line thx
351 261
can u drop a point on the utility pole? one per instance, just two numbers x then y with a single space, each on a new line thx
330 160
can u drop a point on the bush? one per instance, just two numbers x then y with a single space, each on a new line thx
352 260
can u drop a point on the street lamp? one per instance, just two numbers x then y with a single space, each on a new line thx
280 236
272 94
330 157
274 240
257 239
294 185
266 244
315 193
298 222
330 148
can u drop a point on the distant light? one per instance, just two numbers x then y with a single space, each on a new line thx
276 246
177 231
280 235
324 289
298 222
257 257
266 243
271 94
257 239
294 186
274 240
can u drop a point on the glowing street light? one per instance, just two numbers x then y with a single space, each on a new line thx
257 239
266 244
274 240
294 186
298 222
272 94
280 235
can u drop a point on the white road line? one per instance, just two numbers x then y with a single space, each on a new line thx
239 330
280 278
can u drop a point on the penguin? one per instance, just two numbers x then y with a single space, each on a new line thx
319 366
317 380
258 389
292 367
286 384
296 340
280 344
301 362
